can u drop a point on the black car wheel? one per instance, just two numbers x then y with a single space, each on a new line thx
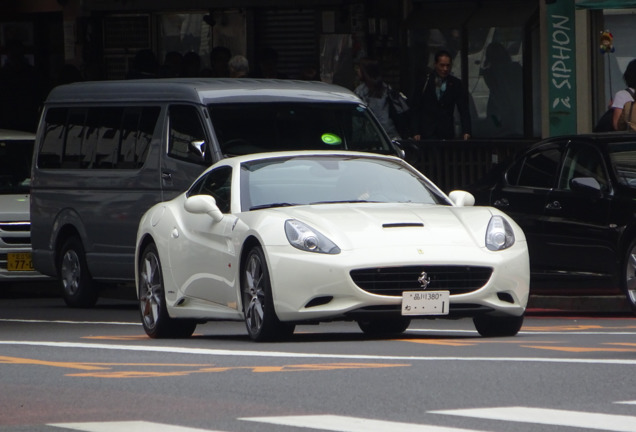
393 325
78 288
258 306
152 301
629 279
496 326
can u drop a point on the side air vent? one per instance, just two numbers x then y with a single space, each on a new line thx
318 301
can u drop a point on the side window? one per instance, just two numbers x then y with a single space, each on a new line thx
108 136
52 148
583 161
187 139
537 169
138 127
216 183
73 151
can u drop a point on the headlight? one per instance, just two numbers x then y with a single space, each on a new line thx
305 238
499 234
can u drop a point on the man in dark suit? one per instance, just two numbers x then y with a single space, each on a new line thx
434 100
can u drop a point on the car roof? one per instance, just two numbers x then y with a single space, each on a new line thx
600 138
8 134
201 90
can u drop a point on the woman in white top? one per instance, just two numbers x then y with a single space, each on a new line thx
624 96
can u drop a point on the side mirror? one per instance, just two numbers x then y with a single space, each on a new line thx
462 198
198 147
203 204
587 185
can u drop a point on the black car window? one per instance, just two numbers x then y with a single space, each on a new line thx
583 161
623 157
216 183
537 169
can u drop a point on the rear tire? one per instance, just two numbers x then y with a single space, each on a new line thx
152 301
379 326
78 288
497 326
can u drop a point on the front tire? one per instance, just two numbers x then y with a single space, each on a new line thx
394 325
258 304
497 326
152 300
629 275
78 288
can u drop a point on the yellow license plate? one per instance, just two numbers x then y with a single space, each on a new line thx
19 261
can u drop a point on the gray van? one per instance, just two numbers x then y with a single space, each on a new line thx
106 151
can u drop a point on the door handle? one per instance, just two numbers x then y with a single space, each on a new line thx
166 176
503 202
554 205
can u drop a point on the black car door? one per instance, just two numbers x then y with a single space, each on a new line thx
523 195
579 236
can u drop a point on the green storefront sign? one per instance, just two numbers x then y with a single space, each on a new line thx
561 67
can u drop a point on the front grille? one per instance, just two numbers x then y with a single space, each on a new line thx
15 233
392 281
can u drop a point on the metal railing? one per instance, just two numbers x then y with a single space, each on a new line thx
455 164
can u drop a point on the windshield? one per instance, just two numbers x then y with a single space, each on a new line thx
623 157
245 128
15 166
331 179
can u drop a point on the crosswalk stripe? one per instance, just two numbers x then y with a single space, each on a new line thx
586 420
350 424
128 426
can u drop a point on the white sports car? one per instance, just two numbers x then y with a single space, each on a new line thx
285 238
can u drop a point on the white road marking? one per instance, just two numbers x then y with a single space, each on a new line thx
70 322
351 424
580 419
281 354
627 402
128 426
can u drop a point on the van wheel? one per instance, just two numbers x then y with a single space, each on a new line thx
497 326
78 288
384 326
152 300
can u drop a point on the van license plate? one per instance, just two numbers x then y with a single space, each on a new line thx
19 261
425 302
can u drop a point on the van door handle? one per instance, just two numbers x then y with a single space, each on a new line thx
166 176
554 205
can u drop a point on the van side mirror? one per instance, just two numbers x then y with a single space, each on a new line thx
198 148
462 198
203 204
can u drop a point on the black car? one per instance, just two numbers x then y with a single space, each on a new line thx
575 198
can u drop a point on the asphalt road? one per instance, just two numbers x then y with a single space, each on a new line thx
66 369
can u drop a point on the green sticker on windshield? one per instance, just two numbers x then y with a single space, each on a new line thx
331 139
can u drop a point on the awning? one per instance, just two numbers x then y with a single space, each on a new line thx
605 4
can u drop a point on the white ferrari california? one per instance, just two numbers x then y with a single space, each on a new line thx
280 239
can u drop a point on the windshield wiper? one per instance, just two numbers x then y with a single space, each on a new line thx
273 205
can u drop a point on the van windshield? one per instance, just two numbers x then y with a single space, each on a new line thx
245 128
15 166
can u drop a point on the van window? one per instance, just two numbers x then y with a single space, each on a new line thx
97 137
187 137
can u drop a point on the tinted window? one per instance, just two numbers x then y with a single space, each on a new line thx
261 127
583 161
623 157
216 183
537 169
187 137
97 137
15 166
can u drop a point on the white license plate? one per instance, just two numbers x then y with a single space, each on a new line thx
425 302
